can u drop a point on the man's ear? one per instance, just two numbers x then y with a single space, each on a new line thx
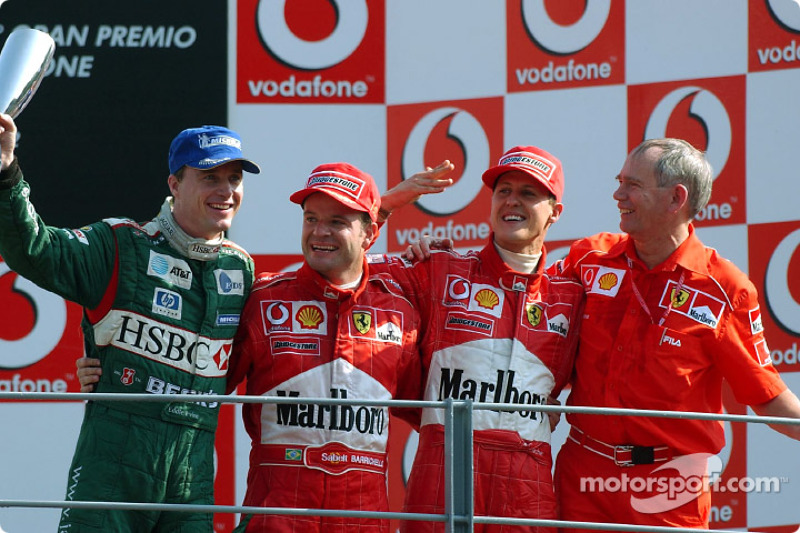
172 183
556 214
680 198
371 235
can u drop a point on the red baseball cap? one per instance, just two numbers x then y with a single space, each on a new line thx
343 182
535 162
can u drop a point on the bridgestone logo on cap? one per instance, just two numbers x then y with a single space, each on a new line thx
343 183
207 142
532 162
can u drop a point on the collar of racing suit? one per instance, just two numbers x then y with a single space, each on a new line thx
191 247
507 278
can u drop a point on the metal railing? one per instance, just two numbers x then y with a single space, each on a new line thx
459 516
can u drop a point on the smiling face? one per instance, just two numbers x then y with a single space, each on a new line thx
335 238
644 207
205 201
522 210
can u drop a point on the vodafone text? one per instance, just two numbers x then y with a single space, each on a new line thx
785 357
17 384
452 385
456 232
347 418
560 73
314 88
774 55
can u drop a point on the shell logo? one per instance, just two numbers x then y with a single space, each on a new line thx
679 299
608 281
534 314
309 317
487 299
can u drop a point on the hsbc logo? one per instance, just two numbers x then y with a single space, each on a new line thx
352 17
51 319
705 107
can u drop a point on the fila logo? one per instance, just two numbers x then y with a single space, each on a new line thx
352 17
559 39
467 131
787 12
669 340
784 307
709 110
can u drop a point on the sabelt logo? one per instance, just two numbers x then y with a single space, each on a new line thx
468 133
49 321
163 343
562 44
710 115
290 53
774 34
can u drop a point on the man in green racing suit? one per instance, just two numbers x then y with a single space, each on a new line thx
161 305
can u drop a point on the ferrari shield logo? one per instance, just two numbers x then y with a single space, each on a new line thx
679 298
362 321
534 314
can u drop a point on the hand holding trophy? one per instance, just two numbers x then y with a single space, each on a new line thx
23 63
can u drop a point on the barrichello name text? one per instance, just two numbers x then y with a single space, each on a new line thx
452 385
371 420
339 458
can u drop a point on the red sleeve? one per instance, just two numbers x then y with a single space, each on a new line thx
241 357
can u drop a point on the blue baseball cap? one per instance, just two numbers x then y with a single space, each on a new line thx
207 147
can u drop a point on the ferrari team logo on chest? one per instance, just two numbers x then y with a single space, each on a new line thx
362 321
534 314
678 298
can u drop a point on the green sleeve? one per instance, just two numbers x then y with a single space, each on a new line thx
75 264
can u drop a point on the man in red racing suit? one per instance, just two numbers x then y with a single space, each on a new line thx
333 329
497 329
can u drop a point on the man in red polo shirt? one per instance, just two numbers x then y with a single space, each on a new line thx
666 320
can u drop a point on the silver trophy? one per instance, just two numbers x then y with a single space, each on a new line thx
23 62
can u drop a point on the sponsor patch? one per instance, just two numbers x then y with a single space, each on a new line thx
283 345
293 454
377 324
467 322
756 325
160 342
127 376
306 317
227 320
559 325
173 270
697 305
602 280
167 303
762 352
230 282
222 356
474 297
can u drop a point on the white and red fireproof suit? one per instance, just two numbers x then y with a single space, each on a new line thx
490 335
300 336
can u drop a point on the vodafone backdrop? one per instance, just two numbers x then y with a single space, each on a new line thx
392 86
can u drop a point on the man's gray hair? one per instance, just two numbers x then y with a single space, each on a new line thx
681 163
